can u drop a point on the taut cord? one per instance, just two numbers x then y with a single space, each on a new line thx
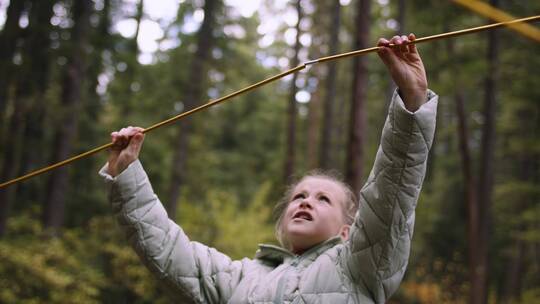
263 82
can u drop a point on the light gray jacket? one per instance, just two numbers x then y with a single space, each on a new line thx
366 269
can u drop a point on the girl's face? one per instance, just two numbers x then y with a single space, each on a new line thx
314 214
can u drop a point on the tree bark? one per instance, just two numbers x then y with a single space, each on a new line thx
73 84
194 92
469 181
291 109
485 181
357 125
138 17
514 278
131 59
37 51
518 263
10 161
8 41
325 160
471 200
314 122
28 87
401 16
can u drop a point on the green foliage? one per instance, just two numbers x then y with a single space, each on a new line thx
35 269
93 264
224 223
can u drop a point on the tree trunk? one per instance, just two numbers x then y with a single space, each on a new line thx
314 126
325 160
194 92
357 125
485 182
469 181
291 109
10 161
73 84
518 265
401 16
29 84
38 53
471 200
138 17
8 41
514 278
131 59
315 104
91 132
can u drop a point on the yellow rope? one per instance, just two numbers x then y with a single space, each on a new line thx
498 15
263 82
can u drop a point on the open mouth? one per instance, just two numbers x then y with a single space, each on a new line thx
303 215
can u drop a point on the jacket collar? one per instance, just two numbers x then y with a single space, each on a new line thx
277 255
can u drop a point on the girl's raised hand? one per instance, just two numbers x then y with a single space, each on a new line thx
407 70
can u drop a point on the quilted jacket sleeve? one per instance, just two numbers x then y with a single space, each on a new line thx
196 273
377 253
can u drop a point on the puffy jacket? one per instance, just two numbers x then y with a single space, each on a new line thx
365 269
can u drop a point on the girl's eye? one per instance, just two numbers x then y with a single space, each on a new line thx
325 199
298 196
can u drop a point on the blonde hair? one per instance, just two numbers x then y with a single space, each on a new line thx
349 206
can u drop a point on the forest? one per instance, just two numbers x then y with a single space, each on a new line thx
71 72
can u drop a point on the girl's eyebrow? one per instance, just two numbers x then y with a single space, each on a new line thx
321 192
295 193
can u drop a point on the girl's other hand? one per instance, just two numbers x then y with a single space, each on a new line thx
127 144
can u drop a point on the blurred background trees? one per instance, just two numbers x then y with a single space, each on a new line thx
73 71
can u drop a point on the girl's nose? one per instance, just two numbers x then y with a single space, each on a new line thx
305 203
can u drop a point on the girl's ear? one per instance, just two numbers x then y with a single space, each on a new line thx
344 232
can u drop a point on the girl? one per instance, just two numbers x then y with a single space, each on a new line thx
334 251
